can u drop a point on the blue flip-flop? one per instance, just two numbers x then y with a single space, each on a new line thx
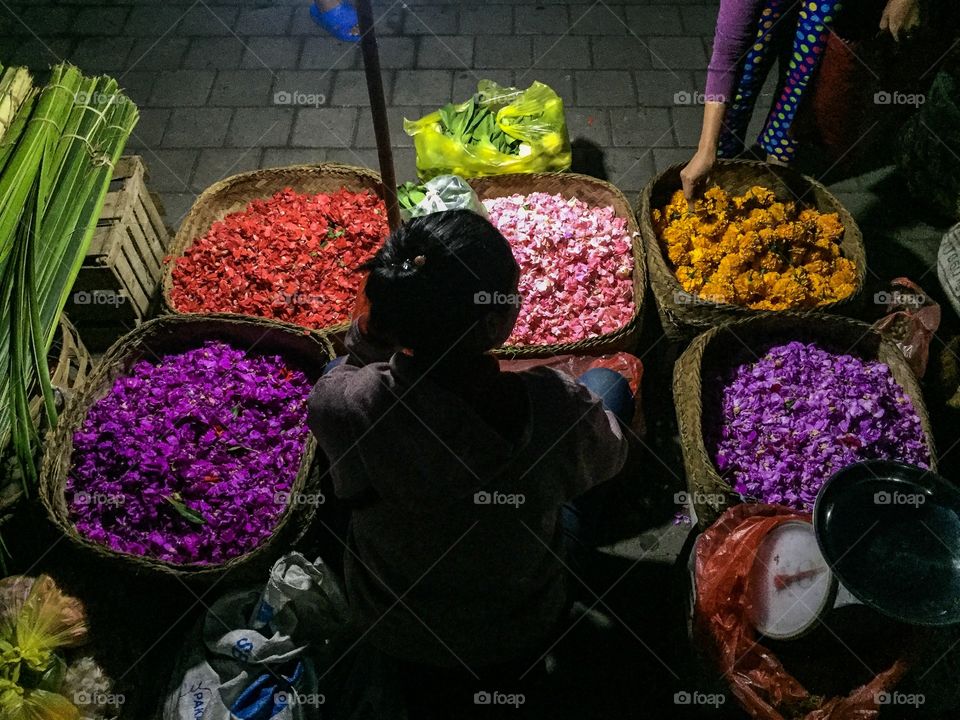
339 21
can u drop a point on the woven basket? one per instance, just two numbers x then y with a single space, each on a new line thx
72 367
728 345
70 364
680 320
233 194
593 192
171 334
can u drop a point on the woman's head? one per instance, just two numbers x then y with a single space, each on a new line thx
445 280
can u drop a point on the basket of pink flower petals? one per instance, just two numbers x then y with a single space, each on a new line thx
771 406
187 451
582 272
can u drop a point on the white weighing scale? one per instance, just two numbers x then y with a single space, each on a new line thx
791 585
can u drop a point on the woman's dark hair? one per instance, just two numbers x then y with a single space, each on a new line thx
436 277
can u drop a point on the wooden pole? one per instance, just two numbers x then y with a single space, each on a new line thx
378 106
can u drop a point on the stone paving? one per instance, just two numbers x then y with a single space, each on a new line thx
225 86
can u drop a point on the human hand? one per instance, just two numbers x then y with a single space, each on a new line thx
696 171
900 17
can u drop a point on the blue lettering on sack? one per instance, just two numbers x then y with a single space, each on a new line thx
198 706
241 649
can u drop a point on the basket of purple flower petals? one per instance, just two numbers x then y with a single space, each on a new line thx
771 406
182 453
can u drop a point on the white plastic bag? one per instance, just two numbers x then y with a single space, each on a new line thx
255 656
948 266
444 192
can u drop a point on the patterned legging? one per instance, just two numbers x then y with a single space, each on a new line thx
812 30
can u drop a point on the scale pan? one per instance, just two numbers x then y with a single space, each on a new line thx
891 534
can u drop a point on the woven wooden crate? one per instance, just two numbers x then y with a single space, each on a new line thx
119 276
726 345
684 316
233 194
594 192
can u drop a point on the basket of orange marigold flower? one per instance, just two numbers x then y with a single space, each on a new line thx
759 239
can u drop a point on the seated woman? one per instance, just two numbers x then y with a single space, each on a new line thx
455 471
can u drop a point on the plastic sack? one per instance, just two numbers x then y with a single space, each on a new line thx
445 192
911 322
533 116
255 652
723 557
948 266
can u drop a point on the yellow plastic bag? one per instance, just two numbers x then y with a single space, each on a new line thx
533 117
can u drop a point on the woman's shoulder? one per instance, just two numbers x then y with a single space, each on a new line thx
347 388
549 389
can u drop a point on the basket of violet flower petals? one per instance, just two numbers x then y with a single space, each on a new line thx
770 407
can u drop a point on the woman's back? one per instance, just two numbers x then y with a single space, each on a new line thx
454 551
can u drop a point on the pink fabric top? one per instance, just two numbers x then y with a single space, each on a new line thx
736 29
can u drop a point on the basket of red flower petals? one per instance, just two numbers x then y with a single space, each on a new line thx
282 243
582 272
771 406
187 451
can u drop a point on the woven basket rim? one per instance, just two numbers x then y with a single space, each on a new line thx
58 449
665 285
607 341
181 241
689 392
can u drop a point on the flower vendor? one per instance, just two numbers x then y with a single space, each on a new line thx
747 40
456 472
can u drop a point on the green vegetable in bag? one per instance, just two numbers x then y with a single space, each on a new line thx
498 131
444 192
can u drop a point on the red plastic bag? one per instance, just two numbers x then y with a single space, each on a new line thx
912 321
724 555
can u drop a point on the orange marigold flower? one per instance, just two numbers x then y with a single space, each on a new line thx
755 250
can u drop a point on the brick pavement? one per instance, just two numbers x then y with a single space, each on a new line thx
208 76
226 86
229 86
